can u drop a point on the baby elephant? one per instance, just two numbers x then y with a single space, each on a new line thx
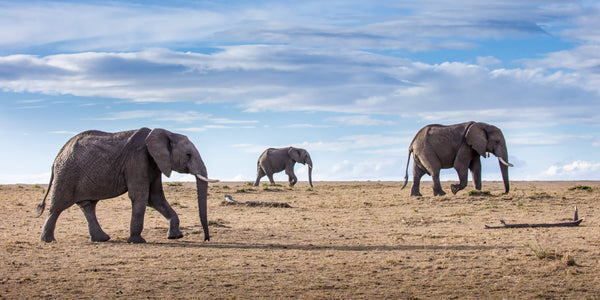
96 165
276 160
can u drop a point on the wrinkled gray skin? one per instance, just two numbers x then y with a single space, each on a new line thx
275 160
458 146
96 165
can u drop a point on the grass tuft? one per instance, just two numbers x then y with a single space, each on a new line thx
581 188
245 190
272 187
540 195
543 253
479 193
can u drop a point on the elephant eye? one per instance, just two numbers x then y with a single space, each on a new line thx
188 155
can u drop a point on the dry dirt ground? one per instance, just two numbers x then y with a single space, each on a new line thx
348 240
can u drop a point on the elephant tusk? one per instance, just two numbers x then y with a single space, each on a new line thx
505 162
487 154
206 179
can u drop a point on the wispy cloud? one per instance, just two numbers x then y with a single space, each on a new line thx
175 116
356 142
351 82
413 26
204 128
67 132
31 101
306 126
359 120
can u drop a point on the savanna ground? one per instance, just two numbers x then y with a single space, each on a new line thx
346 240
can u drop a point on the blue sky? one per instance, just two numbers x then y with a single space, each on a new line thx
350 81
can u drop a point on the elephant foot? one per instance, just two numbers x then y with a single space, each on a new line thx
455 188
414 191
47 239
136 240
439 193
100 237
174 234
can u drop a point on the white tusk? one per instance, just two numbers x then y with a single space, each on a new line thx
505 162
487 154
206 179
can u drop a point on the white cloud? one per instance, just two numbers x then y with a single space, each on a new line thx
176 116
380 167
352 143
25 178
357 142
488 61
351 82
67 132
541 139
203 128
359 120
306 126
576 170
413 26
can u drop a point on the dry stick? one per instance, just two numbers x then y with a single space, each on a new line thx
576 221
229 201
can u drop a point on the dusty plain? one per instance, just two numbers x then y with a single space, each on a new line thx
343 240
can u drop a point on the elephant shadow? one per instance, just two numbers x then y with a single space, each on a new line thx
314 247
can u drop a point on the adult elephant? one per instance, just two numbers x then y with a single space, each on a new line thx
459 146
96 165
274 160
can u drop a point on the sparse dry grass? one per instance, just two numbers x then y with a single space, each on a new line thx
359 240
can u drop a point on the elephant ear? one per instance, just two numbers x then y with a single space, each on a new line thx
476 137
159 147
294 153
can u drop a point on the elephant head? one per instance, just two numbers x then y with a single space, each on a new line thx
485 138
301 156
172 151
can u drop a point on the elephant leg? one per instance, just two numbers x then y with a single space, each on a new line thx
463 179
159 202
270 176
89 210
49 225
56 208
475 168
437 186
417 174
291 178
259 174
139 198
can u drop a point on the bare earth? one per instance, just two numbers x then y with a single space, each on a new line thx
351 240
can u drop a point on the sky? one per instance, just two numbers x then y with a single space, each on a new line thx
350 81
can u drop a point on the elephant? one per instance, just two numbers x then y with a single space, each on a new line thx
459 146
95 165
274 160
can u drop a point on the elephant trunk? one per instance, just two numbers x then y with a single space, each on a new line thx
310 166
504 164
310 175
504 171
202 190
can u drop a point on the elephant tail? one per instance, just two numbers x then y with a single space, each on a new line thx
41 206
406 174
